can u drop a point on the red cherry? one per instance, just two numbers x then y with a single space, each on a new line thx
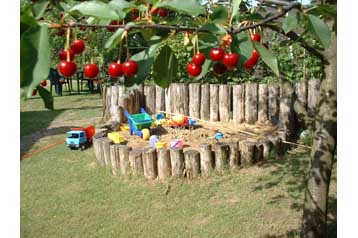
230 60
250 63
217 54
163 12
34 92
113 23
193 69
199 59
115 70
67 68
130 68
78 46
256 37
154 11
91 70
63 54
43 83
219 69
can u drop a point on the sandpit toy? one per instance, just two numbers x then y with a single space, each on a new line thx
182 121
155 143
116 137
80 137
139 123
177 143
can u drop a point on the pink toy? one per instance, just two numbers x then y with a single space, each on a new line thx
177 143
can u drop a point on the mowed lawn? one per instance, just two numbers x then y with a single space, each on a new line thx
64 193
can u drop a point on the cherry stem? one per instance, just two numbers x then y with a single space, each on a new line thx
67 46
127 47
197 43
120 52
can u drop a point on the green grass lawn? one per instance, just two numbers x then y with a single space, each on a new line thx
65 193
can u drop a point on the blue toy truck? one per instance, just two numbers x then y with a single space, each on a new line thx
80 138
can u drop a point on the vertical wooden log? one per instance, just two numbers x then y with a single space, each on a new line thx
177 162
266 150
221 157
185 90
136 162
168 100
114 159
286 117
160 99
105 142
97 145
214 102
205 102
273 110
313 96
258 152
192 163
115 113
123 152
140 89
206 159
149 99
234 155
122 105
194 100
137 102
108 115
247 153
150 168
251 103
301 92
224 102
164 166
114 95
263 103
238 93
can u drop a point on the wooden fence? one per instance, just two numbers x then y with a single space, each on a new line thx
174 162
243 103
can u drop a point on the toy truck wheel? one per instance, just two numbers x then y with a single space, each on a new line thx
145 134
83 147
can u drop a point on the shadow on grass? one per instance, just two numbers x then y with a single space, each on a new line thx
291 173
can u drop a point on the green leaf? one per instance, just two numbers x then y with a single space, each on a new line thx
39 8
190 7
219 14
114 40
65 6
242 45
145 60
46 97
122 5
291 22
34 58
319 30
214 28
235 7
98 9
268 57
204 69
165 67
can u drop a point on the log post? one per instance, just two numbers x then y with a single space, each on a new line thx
160 99
238 108
234 155
266 150
105 142
263 103
286 116
205 102
140 89
221 157
258 152
206 159
192 163
136 162
247 153
251 103
97 145
177 162
214 102
122 103
313 96
149 99
301 92
150 168
273 108
168 99
180 97
194 100
224 102
114 159
137 101
123 153
164 166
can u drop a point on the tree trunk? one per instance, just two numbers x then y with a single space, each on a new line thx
322 154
